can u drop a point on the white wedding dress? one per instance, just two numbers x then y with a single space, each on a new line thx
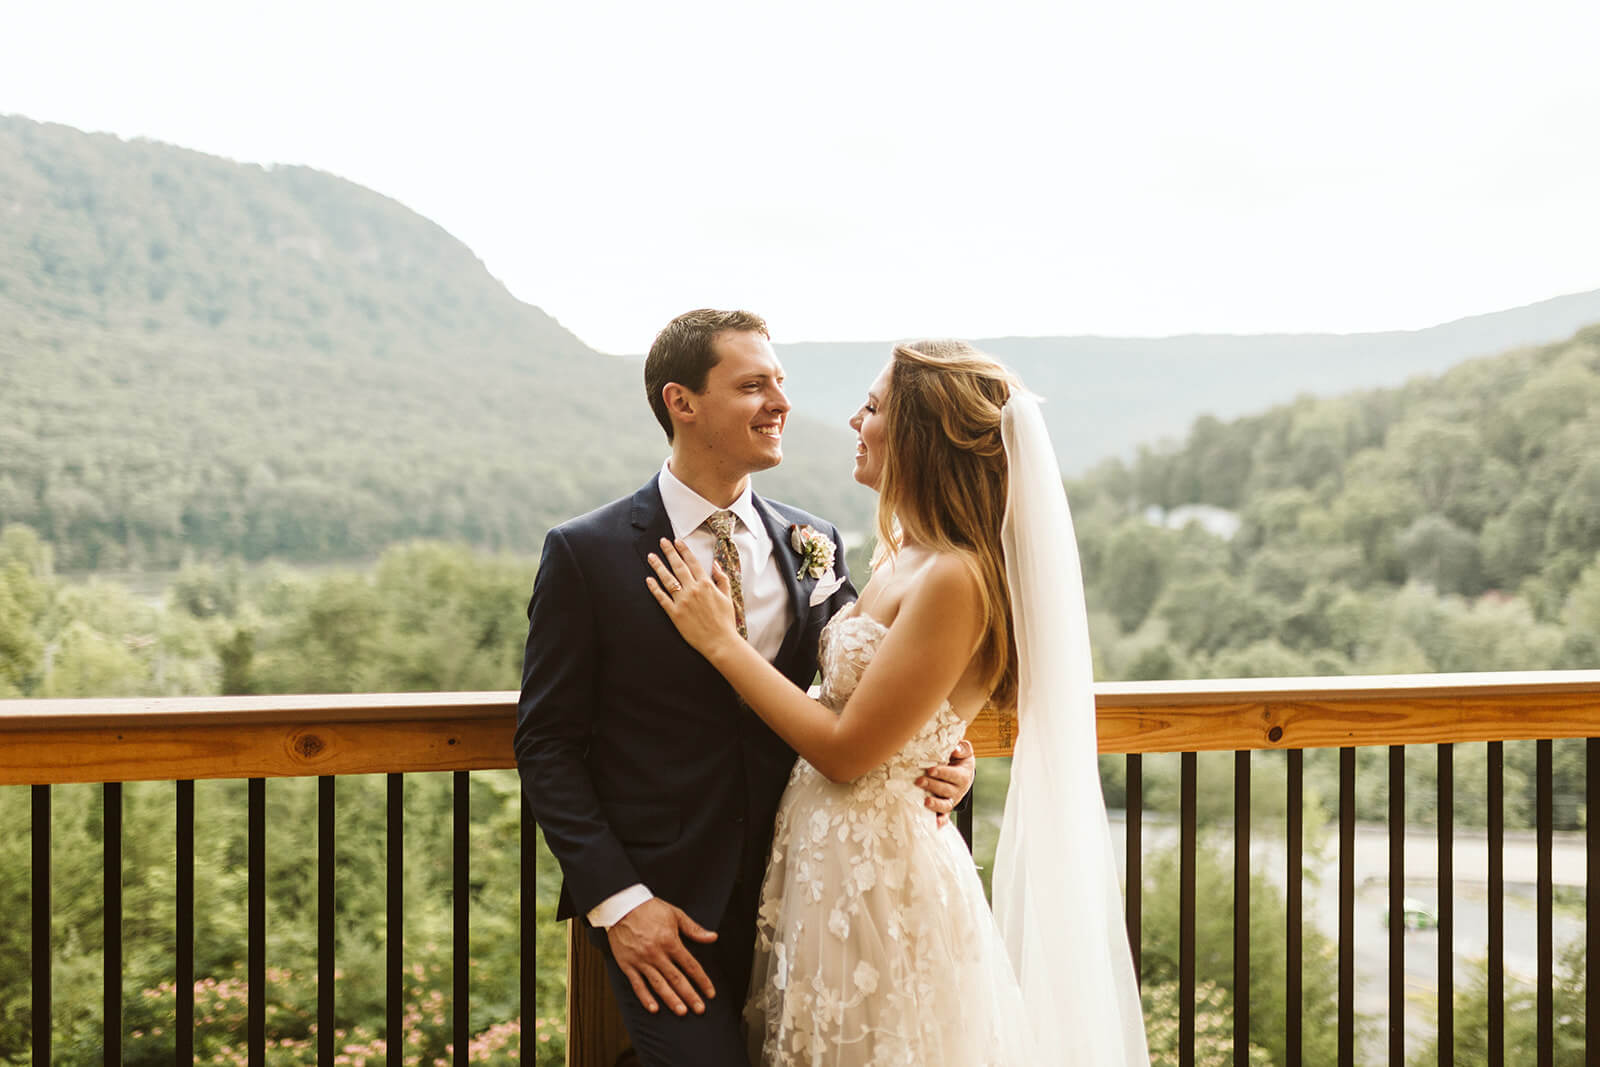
874 943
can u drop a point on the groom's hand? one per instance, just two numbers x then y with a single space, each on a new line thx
949 782
648 947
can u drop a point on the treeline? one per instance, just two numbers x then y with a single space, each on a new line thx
1386 531
426 617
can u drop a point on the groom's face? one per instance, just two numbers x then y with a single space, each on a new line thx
740 414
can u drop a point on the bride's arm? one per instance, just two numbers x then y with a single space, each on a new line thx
920 661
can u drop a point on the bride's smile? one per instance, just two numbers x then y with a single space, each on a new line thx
867 422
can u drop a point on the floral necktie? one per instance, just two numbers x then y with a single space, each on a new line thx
726 556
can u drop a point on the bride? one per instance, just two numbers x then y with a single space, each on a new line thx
874 943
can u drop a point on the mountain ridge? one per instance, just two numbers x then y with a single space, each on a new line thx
211 358
1103 415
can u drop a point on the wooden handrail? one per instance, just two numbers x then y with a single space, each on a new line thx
239 711
57 741
1237 714
54 741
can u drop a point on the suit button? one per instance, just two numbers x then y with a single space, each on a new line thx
738 819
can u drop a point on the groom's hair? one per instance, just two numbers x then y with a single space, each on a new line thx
682 353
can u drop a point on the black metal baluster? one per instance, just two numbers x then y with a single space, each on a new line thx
256 951
461 950
528 934
1544 823
325 920
1591 902
1241 908
1295 880
1447 907
111 794
394 1032
1347 899
1397 904
1497 905
1186 906
183 1038
41 924
1134 848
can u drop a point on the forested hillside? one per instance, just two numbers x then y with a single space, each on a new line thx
1451 524
205 358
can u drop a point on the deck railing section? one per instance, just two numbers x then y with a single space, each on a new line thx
45 743
49 742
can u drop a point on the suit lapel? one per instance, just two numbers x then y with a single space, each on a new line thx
649 518
784 556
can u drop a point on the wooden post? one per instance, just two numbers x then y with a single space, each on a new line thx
595 1034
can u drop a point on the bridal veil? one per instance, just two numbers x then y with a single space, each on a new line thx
1056 895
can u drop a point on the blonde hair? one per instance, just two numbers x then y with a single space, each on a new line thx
945 479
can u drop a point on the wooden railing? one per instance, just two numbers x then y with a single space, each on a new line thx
175 738
47 742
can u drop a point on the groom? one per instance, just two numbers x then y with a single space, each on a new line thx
655 788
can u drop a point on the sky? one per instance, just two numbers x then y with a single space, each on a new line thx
872 170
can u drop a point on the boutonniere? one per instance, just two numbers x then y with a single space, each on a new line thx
815 550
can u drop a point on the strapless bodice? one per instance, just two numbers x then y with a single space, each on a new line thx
849 642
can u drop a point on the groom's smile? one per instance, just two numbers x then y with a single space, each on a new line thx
740 414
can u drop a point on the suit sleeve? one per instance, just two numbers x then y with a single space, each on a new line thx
555 718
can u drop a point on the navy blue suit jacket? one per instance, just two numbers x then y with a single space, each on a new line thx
635 755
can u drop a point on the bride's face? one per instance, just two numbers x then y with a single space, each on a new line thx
871 441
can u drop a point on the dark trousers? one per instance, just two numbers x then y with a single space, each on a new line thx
716 1038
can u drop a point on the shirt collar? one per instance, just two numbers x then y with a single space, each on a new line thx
687 509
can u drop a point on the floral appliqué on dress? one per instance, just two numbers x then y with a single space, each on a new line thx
874 944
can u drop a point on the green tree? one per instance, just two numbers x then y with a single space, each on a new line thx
1264 659
1513 541
1443 555
87 663
1132 572
1575 518
1563 391
26 586
1212 612
1521 1018
1580 649
1214 954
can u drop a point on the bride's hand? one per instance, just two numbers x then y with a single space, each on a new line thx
699 605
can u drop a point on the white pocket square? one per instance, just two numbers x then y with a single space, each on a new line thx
825 588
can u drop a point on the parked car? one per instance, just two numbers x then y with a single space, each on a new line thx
1418 916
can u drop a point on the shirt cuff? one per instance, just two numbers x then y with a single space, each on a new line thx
614 908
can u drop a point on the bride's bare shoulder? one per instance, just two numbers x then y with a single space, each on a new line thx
942 587
936 581
948 579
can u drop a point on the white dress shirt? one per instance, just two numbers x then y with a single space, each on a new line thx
766 605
